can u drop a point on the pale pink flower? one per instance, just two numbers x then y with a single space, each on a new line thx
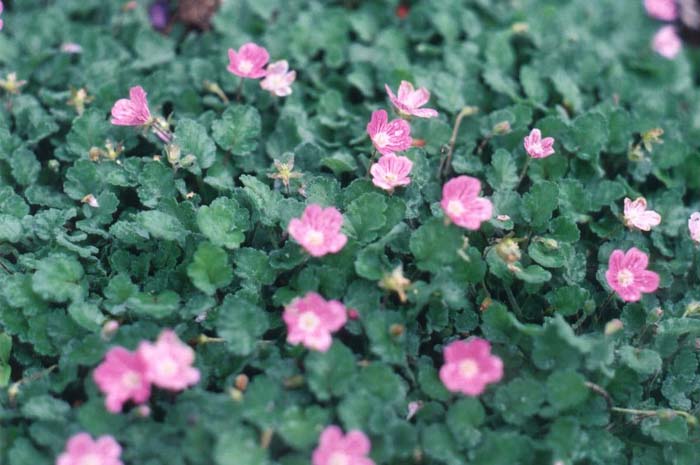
462 204
665 10
391 171
537 147
413 408
637 215
71 48
82 450
469 366
409 101
169 362
122 377
311 320
249 61
694 226
318 230
278 80
132 111
627 274
334 448
389 137
666 42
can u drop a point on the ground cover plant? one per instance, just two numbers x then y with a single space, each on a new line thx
348 233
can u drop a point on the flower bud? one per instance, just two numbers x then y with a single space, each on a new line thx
241 382
94 154
353 314
109 328
508 250
502 128
54 165
693 308
397 330
173 152
143 411
613 326
91 200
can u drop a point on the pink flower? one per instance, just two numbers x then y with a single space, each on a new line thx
694 227
537 147
278 80
389 137
169 362
334 448
469 366
462 204
1 8
637 215
409 100
665 10
249 61
318 230
391 171
122 377
628 275
82 450
132 111
666 42
311 320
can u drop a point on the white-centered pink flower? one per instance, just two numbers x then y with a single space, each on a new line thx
132 111
81 449
318 230
249 61
665 10
169 362
122 377
278 79
391 171
627 274
334 448
470 366
637 216
666 42
462 204
389 137
312 319
409 100
536 146
694 226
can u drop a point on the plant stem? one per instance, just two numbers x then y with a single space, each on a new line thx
371 159
523 172
445 162
239 91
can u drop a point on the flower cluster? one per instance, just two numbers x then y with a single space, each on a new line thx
123 375
666 41
249 63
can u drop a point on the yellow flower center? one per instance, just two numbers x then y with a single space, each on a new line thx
625 277
468 368
131 380
455 208
314 237
245 66
381 139
308 321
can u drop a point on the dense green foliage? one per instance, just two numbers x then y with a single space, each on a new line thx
203 248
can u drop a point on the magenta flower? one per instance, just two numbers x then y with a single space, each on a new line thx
409 101
318 230
628 275
132 111
122 377
391 171
462 204
637 215
537 147
169 362
389 137
82 450
311 320
694 226
334 448
469 366
249 61
666 42
665 10
278 80
1 8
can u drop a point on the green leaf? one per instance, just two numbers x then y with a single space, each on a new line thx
25 167
254 265
540 202
223 222
193 139
566 389
241 323
367 214
671 428
238 129
589 135
87 315
58 278
301 428
644 361
502 174
10 228
464 418
209 269
433 244
239 447
162 225
155 305
519 399
533 274
330 373
45 407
